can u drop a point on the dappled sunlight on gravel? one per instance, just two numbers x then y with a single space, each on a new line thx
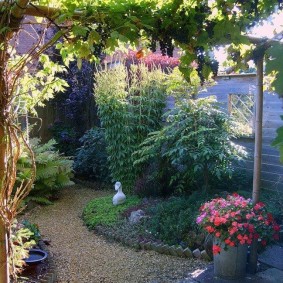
81 256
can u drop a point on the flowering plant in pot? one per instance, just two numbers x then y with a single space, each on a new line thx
235 222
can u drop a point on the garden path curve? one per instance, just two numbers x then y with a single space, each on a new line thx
81 256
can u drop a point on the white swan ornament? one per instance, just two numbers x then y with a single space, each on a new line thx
120 197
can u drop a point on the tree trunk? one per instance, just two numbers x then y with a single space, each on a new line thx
4 267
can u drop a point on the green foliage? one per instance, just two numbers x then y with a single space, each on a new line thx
173 220
66 137
37 87
278 141
53 170
35 236
101 211
91 158
21 241
194 146
274 67
130 105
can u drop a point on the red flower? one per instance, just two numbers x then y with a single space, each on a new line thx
263 242
276 228
217 234
216 249
209 229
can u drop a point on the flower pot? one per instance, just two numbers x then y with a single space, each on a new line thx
230 263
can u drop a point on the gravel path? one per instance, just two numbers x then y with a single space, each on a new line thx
81 256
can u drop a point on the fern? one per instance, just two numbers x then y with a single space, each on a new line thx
53 170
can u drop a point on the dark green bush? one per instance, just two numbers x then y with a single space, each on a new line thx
91 158
174 221
101 211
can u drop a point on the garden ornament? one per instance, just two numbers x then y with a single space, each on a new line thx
120 197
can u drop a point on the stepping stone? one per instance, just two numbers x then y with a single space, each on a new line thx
273 256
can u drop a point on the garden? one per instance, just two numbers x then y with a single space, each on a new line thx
137 178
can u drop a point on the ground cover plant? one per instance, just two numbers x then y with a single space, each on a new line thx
171 221
101 211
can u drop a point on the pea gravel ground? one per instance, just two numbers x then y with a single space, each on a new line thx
81 256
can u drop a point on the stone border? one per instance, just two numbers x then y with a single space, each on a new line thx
51 275
161 248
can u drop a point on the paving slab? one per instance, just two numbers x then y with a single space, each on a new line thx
273 257
272 275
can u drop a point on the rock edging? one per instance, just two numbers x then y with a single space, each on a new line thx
161 248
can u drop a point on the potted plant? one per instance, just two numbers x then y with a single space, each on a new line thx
235 222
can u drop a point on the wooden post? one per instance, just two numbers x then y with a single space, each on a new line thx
252 265
258 131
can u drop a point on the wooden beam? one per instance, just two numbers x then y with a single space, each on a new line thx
38 10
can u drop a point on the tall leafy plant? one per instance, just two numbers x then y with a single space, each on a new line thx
130 105
194 146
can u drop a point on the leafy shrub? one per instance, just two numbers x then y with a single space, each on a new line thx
130 105
173 221
67 139
152 60
36 236
101 211
53 171
91 158
21 241
193 148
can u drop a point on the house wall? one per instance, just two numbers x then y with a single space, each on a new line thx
272 169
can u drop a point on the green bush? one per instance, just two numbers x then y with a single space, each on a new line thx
193 148
101 211
174 221
53 170
91 158
130 105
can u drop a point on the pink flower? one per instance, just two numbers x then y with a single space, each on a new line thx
216 249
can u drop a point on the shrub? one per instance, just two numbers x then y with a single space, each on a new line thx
66 137
193 148
152 60
101 211
130 105
173 221
53 171
91 158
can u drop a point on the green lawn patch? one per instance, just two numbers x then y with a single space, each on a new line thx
101 211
